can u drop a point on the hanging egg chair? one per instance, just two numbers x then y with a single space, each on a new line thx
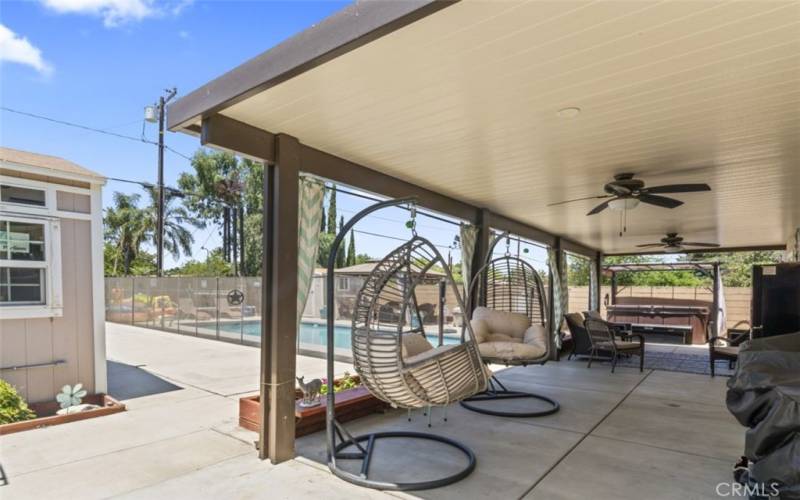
509 321
394 358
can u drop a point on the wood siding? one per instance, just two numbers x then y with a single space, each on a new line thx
73 202
69 337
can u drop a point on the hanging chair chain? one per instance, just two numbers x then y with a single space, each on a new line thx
412 222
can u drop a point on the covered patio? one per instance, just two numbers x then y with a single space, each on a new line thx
489 112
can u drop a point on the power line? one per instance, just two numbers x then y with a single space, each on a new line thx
91 129
397 238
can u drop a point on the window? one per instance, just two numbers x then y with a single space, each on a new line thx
23 262
343 284
22 195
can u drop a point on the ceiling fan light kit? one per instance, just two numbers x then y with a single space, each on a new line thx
623 204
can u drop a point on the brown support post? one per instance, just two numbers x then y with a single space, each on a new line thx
481 249
279 314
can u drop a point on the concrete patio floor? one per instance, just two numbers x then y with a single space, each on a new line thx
628 435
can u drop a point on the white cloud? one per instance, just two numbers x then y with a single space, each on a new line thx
14 48
117 12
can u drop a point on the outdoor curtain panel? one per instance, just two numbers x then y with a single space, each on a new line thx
560 292
309 219
793 247
594 289
469 238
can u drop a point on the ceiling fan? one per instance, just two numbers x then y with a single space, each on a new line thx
672 243
625 193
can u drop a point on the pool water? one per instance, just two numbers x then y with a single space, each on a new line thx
315 333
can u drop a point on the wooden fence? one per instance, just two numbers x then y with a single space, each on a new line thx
737 300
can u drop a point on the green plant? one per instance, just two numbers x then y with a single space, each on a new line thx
341 384
12 407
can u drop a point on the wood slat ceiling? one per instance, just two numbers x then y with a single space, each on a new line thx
465 102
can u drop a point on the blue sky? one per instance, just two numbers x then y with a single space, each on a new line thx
99 62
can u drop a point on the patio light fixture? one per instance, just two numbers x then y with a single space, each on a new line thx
570 112
620 204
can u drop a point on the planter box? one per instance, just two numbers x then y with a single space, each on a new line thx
350 405
47 414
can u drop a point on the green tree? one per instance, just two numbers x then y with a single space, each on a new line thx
341 258
144 264
332 211
322 220
351 251
126 228
221 179
177 237
214 265
737 267
325 242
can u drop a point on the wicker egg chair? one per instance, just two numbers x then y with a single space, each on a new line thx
509 320
395 360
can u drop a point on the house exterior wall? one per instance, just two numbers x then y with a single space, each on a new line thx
74 336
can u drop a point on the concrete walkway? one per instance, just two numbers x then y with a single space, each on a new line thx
628 435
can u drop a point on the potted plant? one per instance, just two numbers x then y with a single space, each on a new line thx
71 404
353 401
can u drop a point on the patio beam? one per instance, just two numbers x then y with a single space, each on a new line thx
344 31
504 223
577 248
279 312
339 170
225 133
705 250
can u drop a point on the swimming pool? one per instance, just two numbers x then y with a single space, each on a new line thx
315 333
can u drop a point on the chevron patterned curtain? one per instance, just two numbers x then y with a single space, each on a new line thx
793 247
309 219
594 289
560 292
469 238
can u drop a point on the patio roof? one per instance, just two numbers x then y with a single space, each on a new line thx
462 99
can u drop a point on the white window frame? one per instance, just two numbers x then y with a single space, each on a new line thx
339 281
49 216
53 304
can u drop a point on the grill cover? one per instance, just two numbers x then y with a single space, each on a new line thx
764 395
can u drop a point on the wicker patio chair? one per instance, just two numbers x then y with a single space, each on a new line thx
603 339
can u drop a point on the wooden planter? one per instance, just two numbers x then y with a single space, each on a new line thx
350 405
47 414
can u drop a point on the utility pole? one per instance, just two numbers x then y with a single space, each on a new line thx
162 101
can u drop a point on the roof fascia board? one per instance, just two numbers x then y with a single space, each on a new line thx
346 30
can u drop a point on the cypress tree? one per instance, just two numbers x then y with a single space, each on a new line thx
340 257
351 250
322 222
332 213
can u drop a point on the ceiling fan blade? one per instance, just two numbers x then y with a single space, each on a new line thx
678 188
660 201
581 199
705 245
599 208
650 245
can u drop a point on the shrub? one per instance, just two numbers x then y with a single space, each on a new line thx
342 384
12 407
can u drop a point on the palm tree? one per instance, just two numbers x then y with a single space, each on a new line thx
127 226
177 238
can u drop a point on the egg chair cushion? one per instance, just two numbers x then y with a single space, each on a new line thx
508 336
510 351
413 344
499 325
